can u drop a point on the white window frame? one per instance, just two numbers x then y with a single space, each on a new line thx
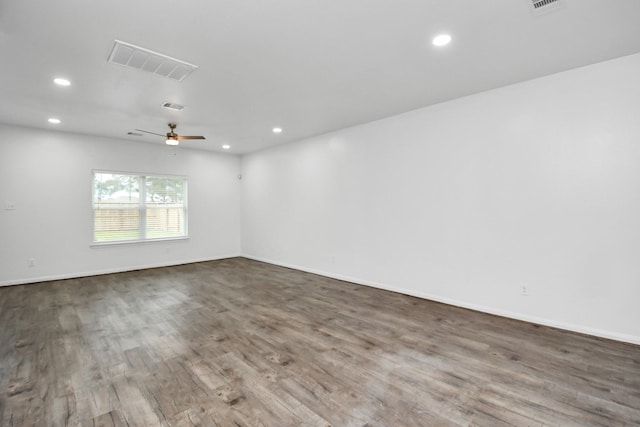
142 208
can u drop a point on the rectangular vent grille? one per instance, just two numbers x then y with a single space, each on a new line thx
133 56
544 5
173 106
541 3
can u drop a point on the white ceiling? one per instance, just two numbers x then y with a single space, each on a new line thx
308 66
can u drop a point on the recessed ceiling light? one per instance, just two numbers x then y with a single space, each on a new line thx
441 40
54 121
277 130
62 82
226 146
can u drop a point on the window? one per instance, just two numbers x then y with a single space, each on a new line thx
129 207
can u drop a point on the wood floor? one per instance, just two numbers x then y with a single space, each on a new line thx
242 343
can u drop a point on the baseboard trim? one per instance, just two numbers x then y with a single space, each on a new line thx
111 270
463 304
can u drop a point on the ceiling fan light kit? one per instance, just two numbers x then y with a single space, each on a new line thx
172 138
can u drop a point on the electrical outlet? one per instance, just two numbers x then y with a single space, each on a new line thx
9 206
31 262
524 290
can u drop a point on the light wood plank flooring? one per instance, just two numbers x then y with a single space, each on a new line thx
242 343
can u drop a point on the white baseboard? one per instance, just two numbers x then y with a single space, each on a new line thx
490 310
111 270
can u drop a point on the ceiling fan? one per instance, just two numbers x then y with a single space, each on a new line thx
172 138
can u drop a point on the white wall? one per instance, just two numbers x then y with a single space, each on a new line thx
47 175
536 183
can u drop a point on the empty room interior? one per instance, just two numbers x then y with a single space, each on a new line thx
320 213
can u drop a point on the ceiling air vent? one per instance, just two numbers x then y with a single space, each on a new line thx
133 56
173 106
543 6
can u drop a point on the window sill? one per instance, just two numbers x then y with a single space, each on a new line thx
137 242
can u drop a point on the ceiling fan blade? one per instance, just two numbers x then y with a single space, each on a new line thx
181 137
152 133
